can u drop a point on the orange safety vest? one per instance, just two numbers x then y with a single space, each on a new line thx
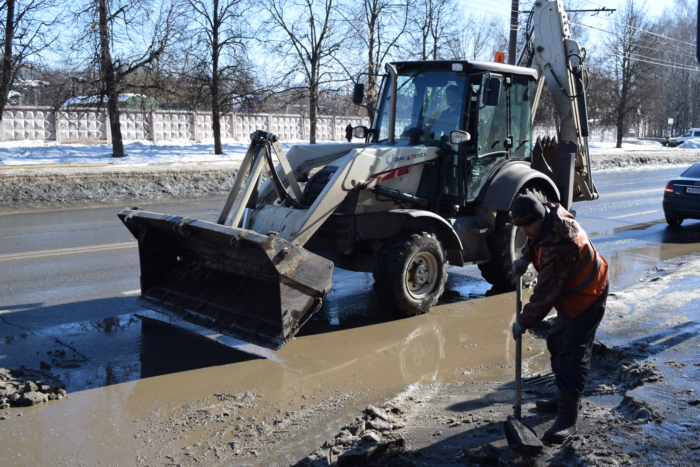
587 282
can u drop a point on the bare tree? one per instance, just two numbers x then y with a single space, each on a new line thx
631 49
678 77
121 37
432 28
478 38
219 28
313 37
379 26
26 33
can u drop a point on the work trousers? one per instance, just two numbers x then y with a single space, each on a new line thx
570 344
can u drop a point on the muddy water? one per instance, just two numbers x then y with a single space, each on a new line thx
339 371
143 394
639 248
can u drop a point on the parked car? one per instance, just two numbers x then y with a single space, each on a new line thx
693 133
682 196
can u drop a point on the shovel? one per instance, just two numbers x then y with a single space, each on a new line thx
521 438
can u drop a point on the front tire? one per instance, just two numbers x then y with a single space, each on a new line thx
504 245
411 273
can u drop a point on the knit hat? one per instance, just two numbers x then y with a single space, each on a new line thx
526 209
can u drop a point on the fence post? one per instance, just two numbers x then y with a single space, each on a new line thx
108 126
57 126
232 117
152 125
194 126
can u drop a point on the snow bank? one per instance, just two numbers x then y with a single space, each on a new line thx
690 144
138 152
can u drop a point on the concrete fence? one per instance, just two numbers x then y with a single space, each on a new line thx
87 125
74 126
596 134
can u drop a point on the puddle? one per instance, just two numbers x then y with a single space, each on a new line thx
609 401
145 376
639 249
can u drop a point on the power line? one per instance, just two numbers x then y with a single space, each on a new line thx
639 29
663 49
678 67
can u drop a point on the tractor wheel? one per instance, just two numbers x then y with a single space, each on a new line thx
317 183
504 245
411 273
674 221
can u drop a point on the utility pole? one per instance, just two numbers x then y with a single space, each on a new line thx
513 43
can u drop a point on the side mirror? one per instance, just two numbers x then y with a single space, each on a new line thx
459 136
358 94
360 131
492 92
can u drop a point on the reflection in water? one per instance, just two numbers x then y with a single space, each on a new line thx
167 349
114 350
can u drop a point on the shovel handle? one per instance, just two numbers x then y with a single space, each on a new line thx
518 348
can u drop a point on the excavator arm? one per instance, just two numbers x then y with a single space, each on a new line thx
560 64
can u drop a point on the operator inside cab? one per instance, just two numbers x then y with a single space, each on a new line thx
448 119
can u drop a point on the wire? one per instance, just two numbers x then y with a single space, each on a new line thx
664 50
639 29
678 67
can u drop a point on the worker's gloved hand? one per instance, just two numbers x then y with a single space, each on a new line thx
520 266
517 330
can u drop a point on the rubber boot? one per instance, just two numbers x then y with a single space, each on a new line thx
567 414
549 405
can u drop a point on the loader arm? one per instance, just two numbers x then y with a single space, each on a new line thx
559 62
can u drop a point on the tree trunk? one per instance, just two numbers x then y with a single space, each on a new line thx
313 109
215 82
6 81
109 80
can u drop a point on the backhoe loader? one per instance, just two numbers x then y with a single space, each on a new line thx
449 148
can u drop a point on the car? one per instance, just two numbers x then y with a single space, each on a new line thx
693 133
682 197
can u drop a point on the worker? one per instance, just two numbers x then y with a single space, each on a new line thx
348 132
448 120
573 279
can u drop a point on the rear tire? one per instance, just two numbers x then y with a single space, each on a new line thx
504 245
317 183
411 273
674 221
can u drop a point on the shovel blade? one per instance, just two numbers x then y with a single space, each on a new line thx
522 439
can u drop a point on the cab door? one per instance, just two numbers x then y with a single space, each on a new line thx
490 135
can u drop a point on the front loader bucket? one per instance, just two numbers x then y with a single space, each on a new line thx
257 288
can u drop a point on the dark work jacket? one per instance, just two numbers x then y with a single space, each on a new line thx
572 275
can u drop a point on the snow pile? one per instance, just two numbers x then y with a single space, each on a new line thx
690 144
168 151
138 152
628 144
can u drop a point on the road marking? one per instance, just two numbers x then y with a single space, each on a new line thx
634 214
67 251
132 292
623 193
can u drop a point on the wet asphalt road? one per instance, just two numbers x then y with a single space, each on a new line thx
75 271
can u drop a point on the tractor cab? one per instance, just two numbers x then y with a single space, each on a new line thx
478 114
